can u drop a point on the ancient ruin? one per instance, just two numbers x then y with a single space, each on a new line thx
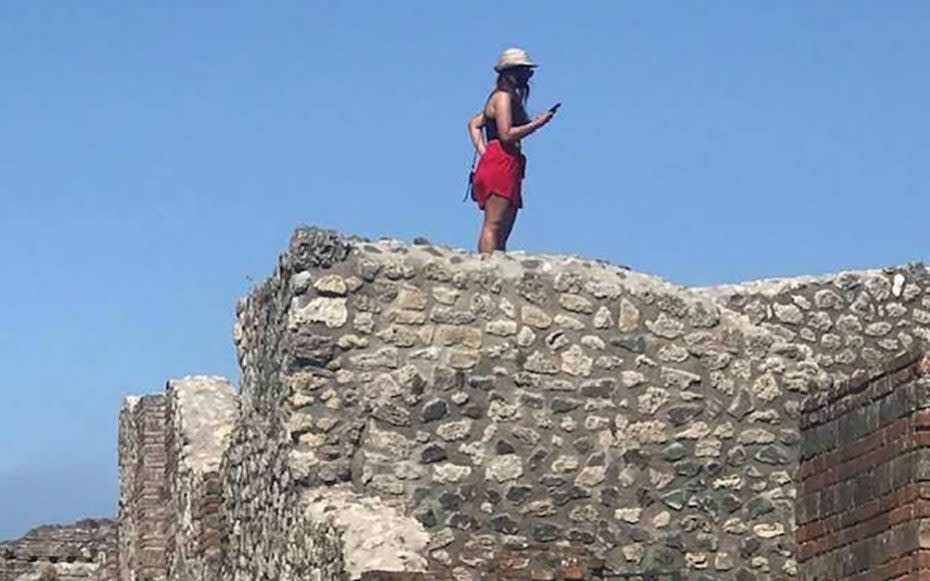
408 411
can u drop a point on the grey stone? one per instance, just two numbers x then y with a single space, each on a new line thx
331 285
451 500
631 378
601 388
741 405
450 473
575 362
433 453
878 329
393 414
504 468
504 447
447 316
426 517
789 314
629 316
501 328
546 532
539 363
561 405
591 476
678 378
703 315
385 357
602 318
751 436
827 299
673 353
683 413
759 506
536 317
525 337
526 435
503 523
820 321
518 494
312 247
674 499
309 349
666 327
730 503
674 452
300 282
688 468
576 303
773 454
434 410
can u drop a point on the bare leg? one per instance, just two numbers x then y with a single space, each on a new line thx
496 212
508 227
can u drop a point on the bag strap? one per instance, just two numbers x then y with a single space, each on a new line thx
471 177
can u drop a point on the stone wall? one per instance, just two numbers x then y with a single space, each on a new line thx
430 412
848 322
172 521
202 412
513 400
143 507
271 537
864 502
83 551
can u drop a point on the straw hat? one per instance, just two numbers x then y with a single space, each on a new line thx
513 57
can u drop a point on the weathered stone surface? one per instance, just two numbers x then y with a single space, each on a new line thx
433 410
536 317
666 327
576 303
576 362
629 316
332 312
504 468
86 549
501 328
331 285
513 399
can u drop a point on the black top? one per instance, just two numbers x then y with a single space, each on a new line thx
518 117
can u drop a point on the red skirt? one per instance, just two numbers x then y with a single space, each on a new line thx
500 172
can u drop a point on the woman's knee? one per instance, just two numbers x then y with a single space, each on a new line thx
495 223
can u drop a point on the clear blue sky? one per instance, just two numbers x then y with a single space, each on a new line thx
155 155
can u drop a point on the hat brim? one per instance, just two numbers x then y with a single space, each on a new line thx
500 69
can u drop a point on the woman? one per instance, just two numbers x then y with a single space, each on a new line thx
499 175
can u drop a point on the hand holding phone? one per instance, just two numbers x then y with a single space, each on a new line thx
555 108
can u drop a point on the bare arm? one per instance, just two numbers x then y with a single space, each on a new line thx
502 114
475 125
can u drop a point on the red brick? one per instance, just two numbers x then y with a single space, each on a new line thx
921 420
923 559
923 439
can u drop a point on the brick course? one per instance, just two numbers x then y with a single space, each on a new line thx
864 477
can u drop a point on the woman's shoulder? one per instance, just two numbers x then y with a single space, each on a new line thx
499 93
500 96
497 97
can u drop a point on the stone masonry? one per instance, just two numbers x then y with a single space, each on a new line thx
143 512
442 415
83 551
200 418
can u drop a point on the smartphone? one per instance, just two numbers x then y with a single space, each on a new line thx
555 108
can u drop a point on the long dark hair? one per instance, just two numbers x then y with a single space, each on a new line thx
515 81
